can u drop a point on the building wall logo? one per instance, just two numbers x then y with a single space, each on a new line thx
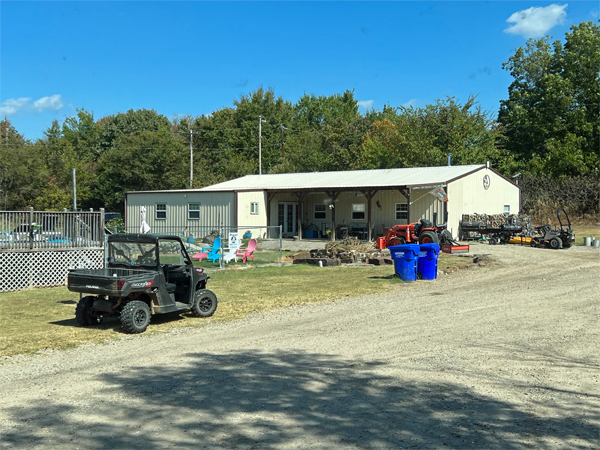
486 182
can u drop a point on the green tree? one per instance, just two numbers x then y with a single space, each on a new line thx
142 161
60 156
313 111
23 174
113 127
82 132
551 115
411 137
229 136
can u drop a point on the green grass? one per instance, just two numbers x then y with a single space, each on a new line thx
582 231
39 319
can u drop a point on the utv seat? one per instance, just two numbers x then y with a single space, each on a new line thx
171 288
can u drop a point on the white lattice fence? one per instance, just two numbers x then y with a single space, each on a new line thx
23 270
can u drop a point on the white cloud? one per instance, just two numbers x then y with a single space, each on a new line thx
410 103
14 105
536 21
53 102
367 104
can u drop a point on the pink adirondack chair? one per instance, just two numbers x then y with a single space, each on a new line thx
246 252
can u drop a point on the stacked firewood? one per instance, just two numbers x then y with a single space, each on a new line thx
497 220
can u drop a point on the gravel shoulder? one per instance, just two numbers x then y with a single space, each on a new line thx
503 356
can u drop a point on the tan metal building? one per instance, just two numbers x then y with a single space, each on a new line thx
368 200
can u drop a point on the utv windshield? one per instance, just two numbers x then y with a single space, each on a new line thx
132 254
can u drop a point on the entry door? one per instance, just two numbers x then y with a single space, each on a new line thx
288 218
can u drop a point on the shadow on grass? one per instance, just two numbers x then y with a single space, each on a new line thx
392 277
252 399
114 323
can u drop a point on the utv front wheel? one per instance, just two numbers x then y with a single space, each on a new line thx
85 313
135 317
205 303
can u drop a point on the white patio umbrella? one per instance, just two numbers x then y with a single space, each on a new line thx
144 227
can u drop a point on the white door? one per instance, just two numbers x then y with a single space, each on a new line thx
288 218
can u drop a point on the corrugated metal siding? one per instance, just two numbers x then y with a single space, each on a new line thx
216 209
468 195
245 219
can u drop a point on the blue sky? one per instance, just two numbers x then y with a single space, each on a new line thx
195 57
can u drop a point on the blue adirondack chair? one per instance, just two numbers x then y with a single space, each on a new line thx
210 253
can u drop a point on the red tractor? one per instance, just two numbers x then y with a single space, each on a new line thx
421 232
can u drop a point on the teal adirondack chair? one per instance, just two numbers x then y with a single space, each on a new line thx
210 253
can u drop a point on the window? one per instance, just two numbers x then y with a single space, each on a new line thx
161 211
401 211
193 210
254 208
171 252
506 209
320 212
358 211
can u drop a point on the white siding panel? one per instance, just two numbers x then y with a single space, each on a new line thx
245 218
468 195
424 205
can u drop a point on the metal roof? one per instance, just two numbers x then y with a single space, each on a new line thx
350 179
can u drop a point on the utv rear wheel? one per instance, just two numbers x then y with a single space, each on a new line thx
428 237
135 317
205 303
555 243
85 313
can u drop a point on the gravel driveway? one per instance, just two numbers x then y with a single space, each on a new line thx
497 357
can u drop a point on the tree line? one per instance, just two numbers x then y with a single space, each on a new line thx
547 128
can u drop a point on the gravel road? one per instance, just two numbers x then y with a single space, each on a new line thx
497 357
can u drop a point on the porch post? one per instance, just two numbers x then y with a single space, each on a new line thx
269 198
333 196
301 196
369 196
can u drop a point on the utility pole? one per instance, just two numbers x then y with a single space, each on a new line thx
74 190
191 154
282 142
191 159
260 121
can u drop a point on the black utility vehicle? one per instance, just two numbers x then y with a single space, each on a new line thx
147 274
562 237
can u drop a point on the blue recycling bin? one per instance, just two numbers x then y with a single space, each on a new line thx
428 261
405 259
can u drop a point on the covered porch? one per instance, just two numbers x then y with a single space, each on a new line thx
335 213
